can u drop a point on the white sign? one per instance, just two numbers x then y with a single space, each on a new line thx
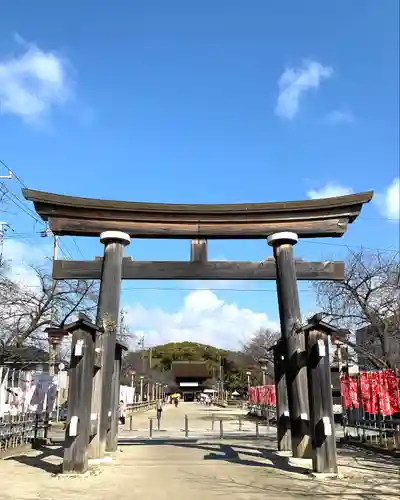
327 426
189 384
73 426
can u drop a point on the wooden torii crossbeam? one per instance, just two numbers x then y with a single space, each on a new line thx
196 270
74 216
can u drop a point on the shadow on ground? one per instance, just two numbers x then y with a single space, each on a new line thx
258 455
367 474
226 452
41 459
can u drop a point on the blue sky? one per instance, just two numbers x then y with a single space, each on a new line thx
226 101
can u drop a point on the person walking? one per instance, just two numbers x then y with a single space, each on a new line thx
159 409
122 412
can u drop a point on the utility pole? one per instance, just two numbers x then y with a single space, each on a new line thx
9 176
4 226
52 345
149 377
141 344
221 377
121 323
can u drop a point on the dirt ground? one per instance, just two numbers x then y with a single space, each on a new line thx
197 468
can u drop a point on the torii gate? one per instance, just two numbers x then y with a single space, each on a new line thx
281 223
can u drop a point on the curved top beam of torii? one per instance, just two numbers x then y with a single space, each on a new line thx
75 216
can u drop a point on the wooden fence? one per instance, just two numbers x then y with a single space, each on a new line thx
17 430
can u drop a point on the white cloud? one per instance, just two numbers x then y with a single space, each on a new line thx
15 310
294 82
329 191
19 257
339 116
203 318
389 202
33 82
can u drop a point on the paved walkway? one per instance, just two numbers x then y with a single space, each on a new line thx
199 423
237 468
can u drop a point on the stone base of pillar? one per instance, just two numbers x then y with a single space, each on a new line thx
305 463
283 453
102 460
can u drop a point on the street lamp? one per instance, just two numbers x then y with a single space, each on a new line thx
55 338
132 374
263 365
148 391
248 378
141 388
61 367
161 391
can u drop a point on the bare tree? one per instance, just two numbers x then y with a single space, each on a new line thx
26 310
259 346
367 301
125 334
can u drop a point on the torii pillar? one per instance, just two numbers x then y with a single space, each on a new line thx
294 341
108 319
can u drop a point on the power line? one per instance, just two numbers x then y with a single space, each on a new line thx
12 197
381 217
194 289
326 243
349 247
363 217
30 213
77 247
19 204
14 174
189 289
64 250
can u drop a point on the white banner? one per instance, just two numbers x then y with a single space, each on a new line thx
127 394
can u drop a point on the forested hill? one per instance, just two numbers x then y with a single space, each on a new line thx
164 355
158 360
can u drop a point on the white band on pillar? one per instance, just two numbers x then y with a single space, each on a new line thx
275 238
115 236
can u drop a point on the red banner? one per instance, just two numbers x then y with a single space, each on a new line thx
349 392
262 395
374 392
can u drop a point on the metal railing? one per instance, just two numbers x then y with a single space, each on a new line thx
218 429
17 430
265 412
135 407
376 431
